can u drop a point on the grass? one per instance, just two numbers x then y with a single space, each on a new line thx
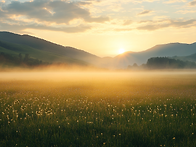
99 109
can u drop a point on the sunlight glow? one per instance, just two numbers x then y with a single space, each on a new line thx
121 51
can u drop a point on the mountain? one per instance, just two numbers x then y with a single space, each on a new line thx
169 63
50 52
16 49
165 50
191 58
43 49
10 60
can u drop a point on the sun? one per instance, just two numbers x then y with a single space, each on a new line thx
121 51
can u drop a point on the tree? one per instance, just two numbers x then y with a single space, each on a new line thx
26 58
20 57
135 65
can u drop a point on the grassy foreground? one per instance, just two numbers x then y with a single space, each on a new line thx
102 109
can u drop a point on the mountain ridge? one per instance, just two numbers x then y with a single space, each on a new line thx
41 44
162 50
58 53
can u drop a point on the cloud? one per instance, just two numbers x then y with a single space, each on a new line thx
145 12
2 15
156 25
73 16
123 30
20 27
51 11
193 3
56 15
127 22
88 2
175 1
186 11
153 25
183 24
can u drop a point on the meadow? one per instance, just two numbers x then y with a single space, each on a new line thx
113 109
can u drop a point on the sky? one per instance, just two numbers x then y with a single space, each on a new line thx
102 27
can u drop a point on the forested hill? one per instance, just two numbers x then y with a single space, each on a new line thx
46 51
168 63
14 50
8 60
57 52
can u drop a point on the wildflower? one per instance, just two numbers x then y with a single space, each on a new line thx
89 122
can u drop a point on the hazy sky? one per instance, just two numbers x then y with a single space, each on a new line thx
102 27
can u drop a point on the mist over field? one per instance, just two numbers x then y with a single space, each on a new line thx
51 95
88 75
98 108
97 73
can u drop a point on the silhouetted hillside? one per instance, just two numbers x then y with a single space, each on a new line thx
191 58
47 51
165 50
8 60
43 45
168 63
15 49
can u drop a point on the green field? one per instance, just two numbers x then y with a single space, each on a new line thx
98 109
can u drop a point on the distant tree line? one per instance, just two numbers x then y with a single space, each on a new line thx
136 67
14 60
164 63
168 63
